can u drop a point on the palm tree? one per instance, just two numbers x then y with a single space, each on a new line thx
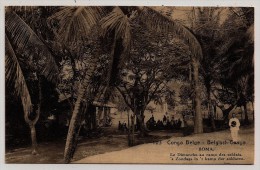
117 25
121 19
19 38
242 70
240 53
207 30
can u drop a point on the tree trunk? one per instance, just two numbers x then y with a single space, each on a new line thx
34 140
215 112
140 123
129 130
33 122
226 113
74 125
94 120
132 132
210 111
33 132
190 73
241 113
142 127
198 124
246 114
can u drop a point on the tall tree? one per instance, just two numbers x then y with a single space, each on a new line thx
206 28
162 23
19 41
238 72
75 24
118 23
151 65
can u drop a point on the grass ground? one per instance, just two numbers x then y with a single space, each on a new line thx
52 152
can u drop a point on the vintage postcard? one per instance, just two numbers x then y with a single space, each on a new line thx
129 85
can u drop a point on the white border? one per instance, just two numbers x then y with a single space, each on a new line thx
253 3
133 2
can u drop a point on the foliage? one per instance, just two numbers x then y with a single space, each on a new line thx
148 70
26 54
238 72
88 52
186 93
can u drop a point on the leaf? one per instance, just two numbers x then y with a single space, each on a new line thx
117 21
225 46
119 24
162 24
24 38
76 22
15 75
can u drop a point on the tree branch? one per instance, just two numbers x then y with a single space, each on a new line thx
125 98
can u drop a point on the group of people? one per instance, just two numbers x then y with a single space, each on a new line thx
122 126
165 123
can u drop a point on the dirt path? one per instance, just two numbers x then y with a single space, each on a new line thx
207 148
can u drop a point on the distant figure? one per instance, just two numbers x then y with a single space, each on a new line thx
119 125
151 123
179 124
234 127
124 128
168 120
159 125
164 118
164 121
182 123
172 122
152 119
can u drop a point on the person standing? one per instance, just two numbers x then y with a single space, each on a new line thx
234 127
119 126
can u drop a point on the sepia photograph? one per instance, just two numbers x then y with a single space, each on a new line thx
129 85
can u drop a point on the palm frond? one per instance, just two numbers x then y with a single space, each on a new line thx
239 68
14 74
162 24
118 22
243 50
24 38
225 46
119 25
76 22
